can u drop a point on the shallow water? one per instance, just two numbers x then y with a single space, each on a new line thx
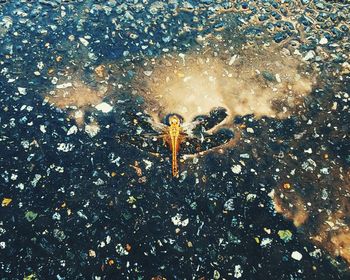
86 188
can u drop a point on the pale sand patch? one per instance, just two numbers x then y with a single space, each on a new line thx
264 83
76 98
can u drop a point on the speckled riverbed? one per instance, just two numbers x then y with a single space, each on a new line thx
86 188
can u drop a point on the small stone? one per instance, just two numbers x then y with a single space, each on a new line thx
30 216
334 106
251 197
104 107
131 200
236 169
6 201
278 78
92 253
100 71
232 60
185 222
324 170
120 250
148 73
323 41
65 85
309 55
72 130
229 205
176 220
238 271
54 80
84 41
216 275
285 235
265 242
296 255
108 239
42 128
22 91
92 129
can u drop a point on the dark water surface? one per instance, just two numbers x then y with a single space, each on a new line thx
264 189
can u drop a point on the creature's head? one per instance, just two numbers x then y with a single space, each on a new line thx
174 120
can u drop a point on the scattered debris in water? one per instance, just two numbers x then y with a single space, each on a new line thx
263 186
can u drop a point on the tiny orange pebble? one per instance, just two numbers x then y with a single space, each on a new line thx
110 262
325 156
286 186
128 247
113 174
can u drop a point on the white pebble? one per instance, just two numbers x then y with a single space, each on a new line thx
323 41
238 271
147 73
236 169
232 60
104 107
185 222
54 80
43 128
278 78
309 55
297 256
66 85
22 91
56 216
84 41
72 130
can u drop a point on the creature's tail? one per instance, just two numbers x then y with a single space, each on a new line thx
175 168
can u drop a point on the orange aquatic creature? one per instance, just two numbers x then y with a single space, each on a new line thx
201 132
174 135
